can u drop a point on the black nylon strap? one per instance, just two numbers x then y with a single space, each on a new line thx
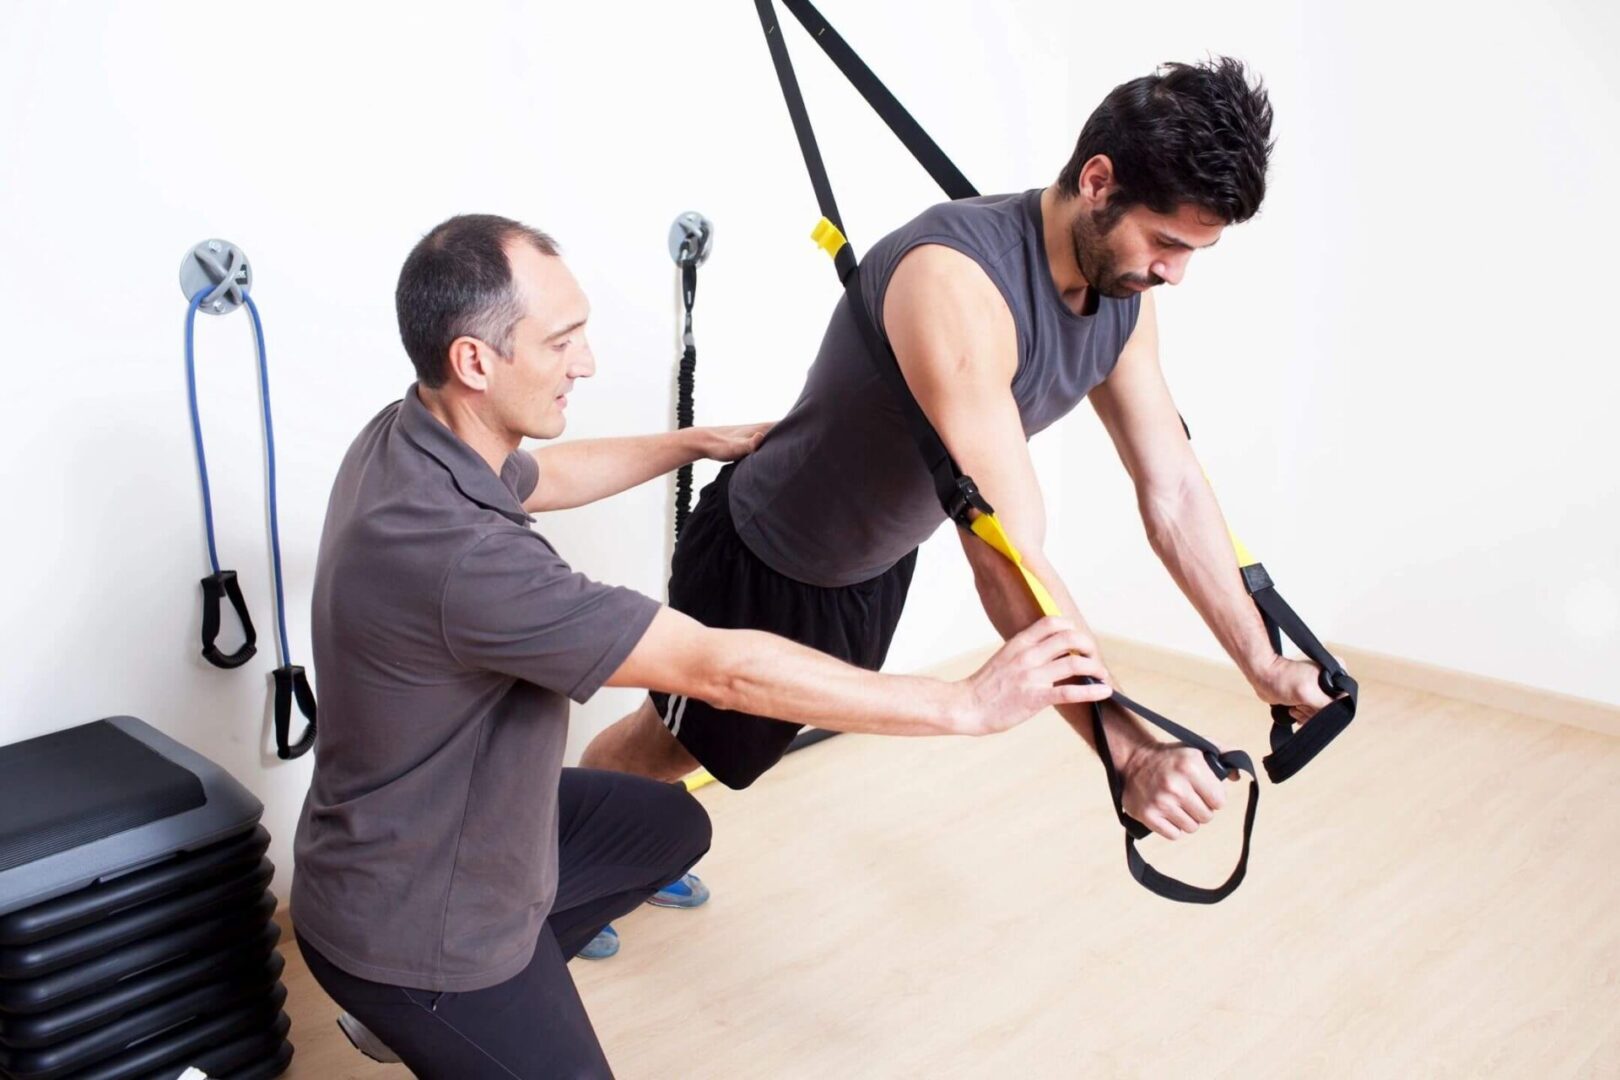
885 104
1222 764
955 491
1292 750
801 120
293 685
216 588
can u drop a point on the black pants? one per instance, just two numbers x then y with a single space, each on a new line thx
622 838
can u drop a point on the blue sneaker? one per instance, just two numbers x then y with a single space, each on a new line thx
602 946
687 890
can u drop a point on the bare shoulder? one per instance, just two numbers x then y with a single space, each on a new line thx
941 308
934 270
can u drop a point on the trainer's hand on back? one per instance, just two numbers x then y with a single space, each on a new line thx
1171 789
1032 671
732 443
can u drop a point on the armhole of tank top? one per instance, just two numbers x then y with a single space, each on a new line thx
958 245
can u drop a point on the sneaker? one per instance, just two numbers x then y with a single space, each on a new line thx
687 890
366 1042
602 946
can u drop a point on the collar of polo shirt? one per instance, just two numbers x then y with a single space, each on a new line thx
471 473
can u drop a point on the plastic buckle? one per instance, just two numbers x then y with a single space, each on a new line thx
1335 680
966 497
828 237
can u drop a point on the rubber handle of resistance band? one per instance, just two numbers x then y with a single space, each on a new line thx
216 589
292 684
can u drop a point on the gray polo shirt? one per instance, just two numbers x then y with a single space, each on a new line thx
448 638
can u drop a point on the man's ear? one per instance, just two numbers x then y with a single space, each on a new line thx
1097 180
468 362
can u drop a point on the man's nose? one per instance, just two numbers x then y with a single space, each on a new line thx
584 365
1172 269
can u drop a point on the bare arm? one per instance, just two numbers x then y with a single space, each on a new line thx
753 672
585 470
954 337
1183 521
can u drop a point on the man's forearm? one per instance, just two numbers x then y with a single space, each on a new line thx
1190 537
581 472
1007 601
766 675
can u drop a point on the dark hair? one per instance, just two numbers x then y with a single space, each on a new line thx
1188 133
456 282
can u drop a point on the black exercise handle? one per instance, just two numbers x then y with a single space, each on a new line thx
1223 764
292 684
217 587
1292 750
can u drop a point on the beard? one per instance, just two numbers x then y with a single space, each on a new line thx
1097 261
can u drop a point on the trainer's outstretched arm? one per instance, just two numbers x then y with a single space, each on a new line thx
585 470
754 672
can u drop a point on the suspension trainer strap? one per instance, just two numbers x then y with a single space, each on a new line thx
1291 750
885 104
957 493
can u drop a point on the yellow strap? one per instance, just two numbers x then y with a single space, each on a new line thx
828 238
698 779
987 528
1244 556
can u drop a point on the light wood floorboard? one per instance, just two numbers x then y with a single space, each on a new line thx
1435 896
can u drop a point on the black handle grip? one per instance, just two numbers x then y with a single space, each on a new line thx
292 684
216 588
1292 750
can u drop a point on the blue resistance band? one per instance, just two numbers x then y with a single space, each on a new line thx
291 681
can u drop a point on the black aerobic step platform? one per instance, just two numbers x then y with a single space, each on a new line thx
136 932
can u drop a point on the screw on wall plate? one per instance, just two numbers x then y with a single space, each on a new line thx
218 270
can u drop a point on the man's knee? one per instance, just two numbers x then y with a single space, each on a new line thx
688 825
640 744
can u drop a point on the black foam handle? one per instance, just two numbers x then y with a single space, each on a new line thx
293 685
218 587
1291 749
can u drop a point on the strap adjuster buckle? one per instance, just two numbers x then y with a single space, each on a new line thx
965 497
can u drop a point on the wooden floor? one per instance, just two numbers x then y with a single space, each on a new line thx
1437 896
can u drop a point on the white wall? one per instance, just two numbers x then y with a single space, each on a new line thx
325 140
1395 374
1400 376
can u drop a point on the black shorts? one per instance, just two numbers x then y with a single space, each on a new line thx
720 583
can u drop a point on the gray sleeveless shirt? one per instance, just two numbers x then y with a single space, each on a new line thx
837 493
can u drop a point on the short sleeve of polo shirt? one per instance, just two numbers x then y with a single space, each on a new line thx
513 606
521 473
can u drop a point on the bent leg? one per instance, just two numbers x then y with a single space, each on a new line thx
639 744
531 1027
621 839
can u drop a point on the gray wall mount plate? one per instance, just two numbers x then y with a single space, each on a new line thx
221 268
691 238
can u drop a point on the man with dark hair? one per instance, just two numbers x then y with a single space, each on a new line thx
1004 312
447 867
